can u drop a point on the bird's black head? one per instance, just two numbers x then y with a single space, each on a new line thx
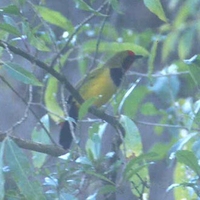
129 59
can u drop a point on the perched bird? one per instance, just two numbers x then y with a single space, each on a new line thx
102 83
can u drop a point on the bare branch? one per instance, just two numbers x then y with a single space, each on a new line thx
51 150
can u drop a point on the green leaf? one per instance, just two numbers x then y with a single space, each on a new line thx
90 47
127 94
182 14
136 164
194 68
85 106
10 29
185 43
169 44
39 44
22 172
132 144
21 74
35 41
82 5
40 136
134 101
50 99
180 174
104 178
107 189
10 9
189 159
52 90
149 109
2 182
115 6
163 120
55 18
9 20
160 150
156 7
93 145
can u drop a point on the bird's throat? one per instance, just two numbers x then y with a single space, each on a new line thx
116 75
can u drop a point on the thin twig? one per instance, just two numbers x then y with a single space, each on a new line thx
157 75
108 118
86 20
99 36
31 110
163 125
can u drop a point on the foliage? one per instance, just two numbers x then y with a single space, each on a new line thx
175 87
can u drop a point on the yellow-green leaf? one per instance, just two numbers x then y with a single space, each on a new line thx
90 47
156 7
132 139
55 18
10 29
51 101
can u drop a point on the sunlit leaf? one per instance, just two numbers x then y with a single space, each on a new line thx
179 175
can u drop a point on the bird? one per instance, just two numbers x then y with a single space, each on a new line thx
101 83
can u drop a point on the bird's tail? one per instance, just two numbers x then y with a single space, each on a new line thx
66 137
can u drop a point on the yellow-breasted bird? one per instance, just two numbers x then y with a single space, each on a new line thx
102 83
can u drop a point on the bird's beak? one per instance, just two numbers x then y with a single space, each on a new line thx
138 56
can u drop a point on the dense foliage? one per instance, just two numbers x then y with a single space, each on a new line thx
161 93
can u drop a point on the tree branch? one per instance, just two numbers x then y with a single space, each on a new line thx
33 146
61 78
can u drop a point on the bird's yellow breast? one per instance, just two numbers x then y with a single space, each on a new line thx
99 85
